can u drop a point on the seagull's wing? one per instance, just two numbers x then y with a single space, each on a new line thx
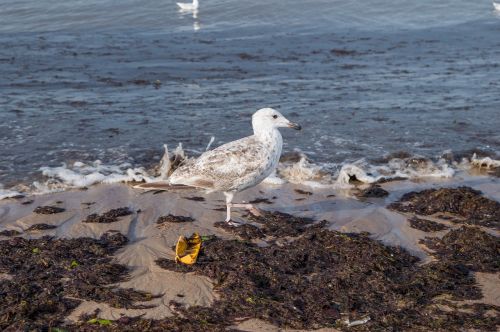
226 168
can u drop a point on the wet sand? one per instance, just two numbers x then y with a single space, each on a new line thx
148 241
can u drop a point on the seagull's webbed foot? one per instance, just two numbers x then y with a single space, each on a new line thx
252 209
255 211
232 223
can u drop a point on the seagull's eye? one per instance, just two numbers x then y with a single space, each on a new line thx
275 116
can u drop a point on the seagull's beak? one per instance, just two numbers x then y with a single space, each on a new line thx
295 126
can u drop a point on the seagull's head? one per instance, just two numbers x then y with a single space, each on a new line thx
269 118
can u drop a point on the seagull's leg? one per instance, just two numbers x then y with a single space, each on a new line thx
229 204
229 199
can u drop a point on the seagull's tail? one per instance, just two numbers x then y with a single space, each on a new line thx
161 186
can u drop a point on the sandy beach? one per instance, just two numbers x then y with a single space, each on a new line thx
381 214
169 293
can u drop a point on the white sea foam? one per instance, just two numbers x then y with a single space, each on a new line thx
301 171
80 174
408 168
304 172
84 175
419 167
6 193
165 164
486 162
350 171
168 162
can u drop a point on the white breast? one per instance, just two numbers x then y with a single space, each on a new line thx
274 145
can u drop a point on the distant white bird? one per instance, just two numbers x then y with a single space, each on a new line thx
237 165
497 6
188 6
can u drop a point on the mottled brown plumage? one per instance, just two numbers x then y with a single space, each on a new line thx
237 165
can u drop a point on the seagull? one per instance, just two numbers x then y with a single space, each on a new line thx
237 165
497 6
188 6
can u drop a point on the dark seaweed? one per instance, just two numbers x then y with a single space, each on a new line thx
196 199
311 278
173 219
10 232
48 210
468 246
323 275
245 231
303 192
40 227
463 201
373 191
50 277
426 225
261 201
108 217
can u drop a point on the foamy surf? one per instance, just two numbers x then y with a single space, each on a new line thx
296 170
81 175
5 193
307 173
304 172
486 162
397 168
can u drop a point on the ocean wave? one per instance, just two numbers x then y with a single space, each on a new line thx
303 172
486 162
80 175
293 168
414 167
6 193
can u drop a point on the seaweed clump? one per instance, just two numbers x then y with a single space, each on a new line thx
48 210
196 198
277 224
51 277
313 278
464 202
40 227
321 277
244 231
108 217
261 200
426 225
374 191
303 192
269 225
468 246
9 232
173 219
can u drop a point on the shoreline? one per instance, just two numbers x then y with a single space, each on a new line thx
149 241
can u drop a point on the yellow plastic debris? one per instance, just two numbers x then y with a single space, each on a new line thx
187 249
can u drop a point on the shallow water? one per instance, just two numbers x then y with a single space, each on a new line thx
363 78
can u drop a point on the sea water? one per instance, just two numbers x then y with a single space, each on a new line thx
105 83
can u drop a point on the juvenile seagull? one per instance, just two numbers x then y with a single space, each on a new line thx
188 6
238 165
